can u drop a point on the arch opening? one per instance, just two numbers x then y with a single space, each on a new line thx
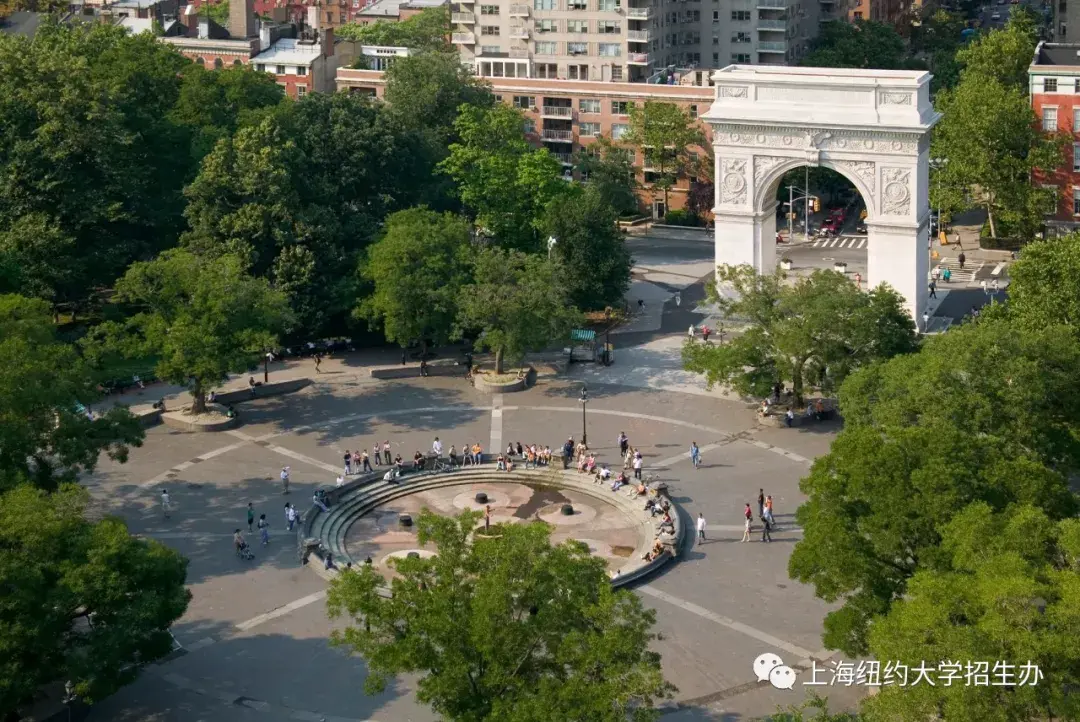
838 208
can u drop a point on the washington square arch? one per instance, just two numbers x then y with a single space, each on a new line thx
872 126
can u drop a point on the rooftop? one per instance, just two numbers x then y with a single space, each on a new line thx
392 8
1062 54
290 51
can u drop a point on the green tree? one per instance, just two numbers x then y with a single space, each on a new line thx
812 333
218 12
1003 55
1007 595
815 709
202 317
417 270
1043 285
985 413
503 181
591 248
91 168
425 91
610 170
518 303
45 436
85 602
504 627
667 137
427 30
938 31
860 44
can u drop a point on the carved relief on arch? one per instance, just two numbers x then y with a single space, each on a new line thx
864 170
733 182
895 191
763 165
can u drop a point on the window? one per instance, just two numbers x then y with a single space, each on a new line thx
588 130
547 48
620 107
489 30
616 73
577 5
576 48
715 39
740 15
530 125
524 101
301 70
609 27
490 49
1076 201
1076 120
1076 89
280 70
740 57
547 70
608 5
1049 119
237 62
200 61
543 4
858 14
716 16
610 50
1049 85
489 9
577 26
546 26
740 37
1049 199
260 67
693 111
716 58
1076 157
577 72
219 63
301 90
618 130
589 106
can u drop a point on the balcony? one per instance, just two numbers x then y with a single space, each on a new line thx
772 24
771 4
463 18
765 47
638 36
463 39
639 13
519 32
637 58
557 111
519 11
565 158
562 136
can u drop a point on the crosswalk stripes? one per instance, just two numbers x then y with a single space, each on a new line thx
849 242
966 275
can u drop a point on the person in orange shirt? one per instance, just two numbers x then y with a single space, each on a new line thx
477 452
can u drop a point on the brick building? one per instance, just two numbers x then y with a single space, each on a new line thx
566 116
1054 86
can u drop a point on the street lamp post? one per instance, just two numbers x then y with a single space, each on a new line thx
266 368
584 400
551 241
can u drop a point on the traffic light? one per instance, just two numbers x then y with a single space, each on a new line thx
817 205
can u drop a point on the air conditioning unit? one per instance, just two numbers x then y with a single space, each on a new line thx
534 109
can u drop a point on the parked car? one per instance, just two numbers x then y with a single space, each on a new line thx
995 17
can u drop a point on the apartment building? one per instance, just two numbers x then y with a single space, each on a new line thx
1066 15
567 116
632 40
880 11
1054 87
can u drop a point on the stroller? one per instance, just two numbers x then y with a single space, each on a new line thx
244 552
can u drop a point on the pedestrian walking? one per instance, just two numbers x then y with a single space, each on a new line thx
290 515
747 513
761 502
637 466
376 453
251 517
365 461
567 452
925 322
705 333
264 529
692 332
386 453
994 286
166 503
963 259
624 443
765 535
946 275
933 289
318 363
701 527
348 462
678 299
768 518
746 528
284 480
695 454
982 284
641 305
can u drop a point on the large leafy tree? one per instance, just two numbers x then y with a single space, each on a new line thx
202 317
859 44
504 627
45 436
609 170
91 168
1007 596
591 247
810 334
985 413
517 302
427 30
667 137
1003 54
300 194
1044 287
504 182
416 270
83 601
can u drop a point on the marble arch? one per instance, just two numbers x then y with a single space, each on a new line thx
872 126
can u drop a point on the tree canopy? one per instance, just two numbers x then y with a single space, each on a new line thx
202 317
809 334
504 626
83 601
1043 284
609 170
858 44
416 270
427 30
46 437
666 135
517 302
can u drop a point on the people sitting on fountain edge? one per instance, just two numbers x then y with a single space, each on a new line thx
603 474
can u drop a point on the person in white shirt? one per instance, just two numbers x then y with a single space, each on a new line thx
701 527
340 481
604 474
637 466
436 447
284 480
290 515
166 504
